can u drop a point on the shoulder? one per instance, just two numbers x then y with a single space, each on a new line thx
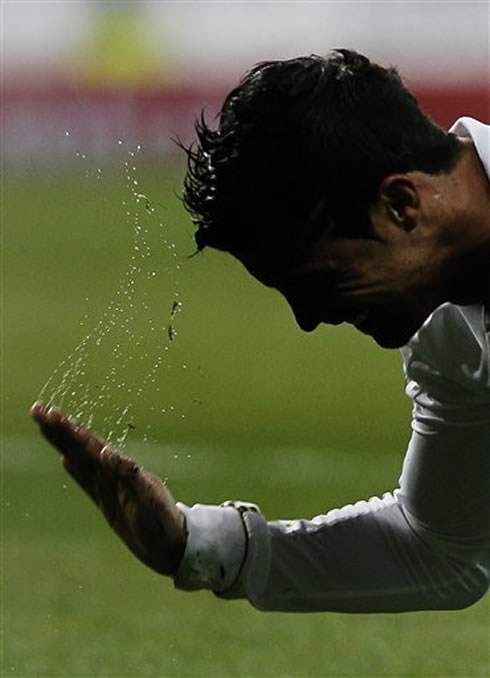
447 362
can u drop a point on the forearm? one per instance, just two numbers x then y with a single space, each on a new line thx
426 546
362 558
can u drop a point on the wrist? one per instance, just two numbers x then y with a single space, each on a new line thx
215 546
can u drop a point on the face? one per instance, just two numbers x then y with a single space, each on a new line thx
385 288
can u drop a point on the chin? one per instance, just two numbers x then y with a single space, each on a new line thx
389 337
394 330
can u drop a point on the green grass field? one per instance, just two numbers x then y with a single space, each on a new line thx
298 423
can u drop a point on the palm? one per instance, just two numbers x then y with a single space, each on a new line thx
135 503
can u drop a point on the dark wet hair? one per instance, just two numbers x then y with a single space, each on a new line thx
300 149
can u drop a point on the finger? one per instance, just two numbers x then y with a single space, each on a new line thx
67 435
82 478
37 410
52 418
116 464
65 432
101 485
111 476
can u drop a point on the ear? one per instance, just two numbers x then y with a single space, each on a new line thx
397 205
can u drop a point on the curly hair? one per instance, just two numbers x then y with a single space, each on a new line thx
300 149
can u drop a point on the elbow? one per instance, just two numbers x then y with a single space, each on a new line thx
470 586
459 582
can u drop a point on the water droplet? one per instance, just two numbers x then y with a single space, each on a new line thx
120 142
67 133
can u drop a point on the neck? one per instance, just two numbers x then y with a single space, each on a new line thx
469 195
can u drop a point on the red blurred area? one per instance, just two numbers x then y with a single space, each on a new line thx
48 123
447 103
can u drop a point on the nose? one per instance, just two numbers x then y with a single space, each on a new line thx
306 320
306 324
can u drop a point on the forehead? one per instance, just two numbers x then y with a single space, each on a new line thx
275 266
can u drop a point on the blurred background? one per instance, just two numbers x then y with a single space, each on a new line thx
199 372
143 69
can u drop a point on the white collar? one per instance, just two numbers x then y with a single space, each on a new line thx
479 133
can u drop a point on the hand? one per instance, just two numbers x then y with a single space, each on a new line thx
136 504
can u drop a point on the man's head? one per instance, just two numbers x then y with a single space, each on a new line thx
298 162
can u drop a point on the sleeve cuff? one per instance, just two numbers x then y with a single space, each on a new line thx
215 550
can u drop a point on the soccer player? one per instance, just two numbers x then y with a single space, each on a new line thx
329 184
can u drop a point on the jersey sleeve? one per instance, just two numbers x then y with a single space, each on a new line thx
426 545
447 365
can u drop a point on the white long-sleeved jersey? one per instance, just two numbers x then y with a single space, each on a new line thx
424 546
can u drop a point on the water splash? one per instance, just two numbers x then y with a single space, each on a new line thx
119 358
